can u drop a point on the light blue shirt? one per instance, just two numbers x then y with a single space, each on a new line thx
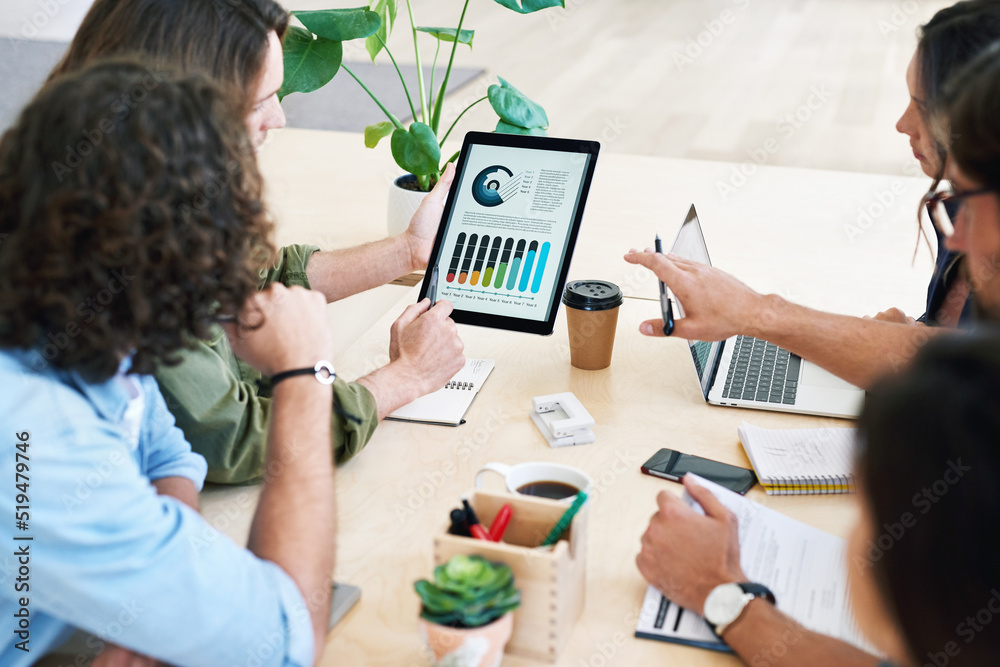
109 555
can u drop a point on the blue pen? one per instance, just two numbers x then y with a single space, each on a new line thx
666 304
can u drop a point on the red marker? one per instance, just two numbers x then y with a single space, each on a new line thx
501 522
475 527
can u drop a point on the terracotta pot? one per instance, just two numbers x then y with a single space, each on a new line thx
402 204
474 647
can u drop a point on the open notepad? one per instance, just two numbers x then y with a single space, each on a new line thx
448 405
804 567
801 461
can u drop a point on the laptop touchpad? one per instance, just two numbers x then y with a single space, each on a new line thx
814 376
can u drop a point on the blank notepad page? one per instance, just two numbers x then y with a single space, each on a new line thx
816 460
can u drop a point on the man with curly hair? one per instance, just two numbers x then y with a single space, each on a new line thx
153 236
222 404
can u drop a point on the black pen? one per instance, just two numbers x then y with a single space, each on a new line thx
666 304
432 286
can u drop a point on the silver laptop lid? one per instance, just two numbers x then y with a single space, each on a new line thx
690 244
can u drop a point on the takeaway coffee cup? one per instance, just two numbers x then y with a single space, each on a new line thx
546 480
591 318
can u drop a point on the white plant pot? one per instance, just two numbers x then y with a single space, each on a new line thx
475 647
402 205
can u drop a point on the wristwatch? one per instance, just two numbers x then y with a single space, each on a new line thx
323 370
727 601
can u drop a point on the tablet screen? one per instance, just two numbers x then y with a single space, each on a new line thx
509 229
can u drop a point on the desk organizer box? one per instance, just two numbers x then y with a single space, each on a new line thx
552 583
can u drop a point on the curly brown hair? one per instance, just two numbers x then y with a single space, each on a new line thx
130 218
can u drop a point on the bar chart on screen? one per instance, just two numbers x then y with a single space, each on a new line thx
513 266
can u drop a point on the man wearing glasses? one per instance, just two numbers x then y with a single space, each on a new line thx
953 209
859 350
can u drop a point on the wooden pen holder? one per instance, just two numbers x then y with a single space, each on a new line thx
552 583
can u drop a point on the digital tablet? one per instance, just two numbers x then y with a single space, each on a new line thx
508 230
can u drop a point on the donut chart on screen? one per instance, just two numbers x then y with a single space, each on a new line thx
494 185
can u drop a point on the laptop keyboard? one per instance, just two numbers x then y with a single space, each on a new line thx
763 372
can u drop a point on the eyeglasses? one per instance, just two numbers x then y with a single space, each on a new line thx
937 203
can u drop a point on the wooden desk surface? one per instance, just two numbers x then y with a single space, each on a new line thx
795 232
786 230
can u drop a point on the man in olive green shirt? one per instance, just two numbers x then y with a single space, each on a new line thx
223 405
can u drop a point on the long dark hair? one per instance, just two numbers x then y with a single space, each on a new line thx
947 43
226 39
120 232
969 115
930 467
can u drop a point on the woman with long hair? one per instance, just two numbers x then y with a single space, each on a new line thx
860 350
927 467
222 404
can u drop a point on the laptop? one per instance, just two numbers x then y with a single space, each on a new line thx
746 372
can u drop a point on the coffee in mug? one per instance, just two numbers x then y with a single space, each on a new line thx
548 489
546 480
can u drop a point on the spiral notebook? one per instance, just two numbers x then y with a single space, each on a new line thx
801 461
447 406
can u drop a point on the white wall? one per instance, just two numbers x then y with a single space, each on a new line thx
55 20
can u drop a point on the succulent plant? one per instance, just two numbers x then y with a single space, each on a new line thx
468 592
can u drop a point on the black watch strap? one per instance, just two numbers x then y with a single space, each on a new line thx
323 371
758 591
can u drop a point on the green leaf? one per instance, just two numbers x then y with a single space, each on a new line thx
375 43
386 9
416 150
507 128
515 108
340 25
448 34
529 6
377 132
309 63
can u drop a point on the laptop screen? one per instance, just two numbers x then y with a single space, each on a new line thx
690 244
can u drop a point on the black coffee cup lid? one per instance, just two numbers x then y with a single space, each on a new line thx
592 295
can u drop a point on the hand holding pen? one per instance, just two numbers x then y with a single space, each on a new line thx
432 286
666 303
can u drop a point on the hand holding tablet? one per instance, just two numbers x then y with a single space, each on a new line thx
508 230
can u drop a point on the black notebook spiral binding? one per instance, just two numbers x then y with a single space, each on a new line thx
449 404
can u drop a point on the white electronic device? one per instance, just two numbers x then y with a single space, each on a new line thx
562 419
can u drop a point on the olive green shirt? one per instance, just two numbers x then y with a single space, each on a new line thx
224 406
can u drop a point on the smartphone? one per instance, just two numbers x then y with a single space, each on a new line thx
344 597
672 465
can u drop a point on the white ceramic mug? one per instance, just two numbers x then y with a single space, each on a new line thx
518 475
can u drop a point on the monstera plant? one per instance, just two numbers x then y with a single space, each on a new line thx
314 55
465 610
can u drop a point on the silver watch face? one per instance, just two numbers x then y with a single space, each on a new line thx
324 372
724 604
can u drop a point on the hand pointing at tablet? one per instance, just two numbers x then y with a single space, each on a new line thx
716 305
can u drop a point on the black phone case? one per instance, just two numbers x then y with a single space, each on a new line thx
662 463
